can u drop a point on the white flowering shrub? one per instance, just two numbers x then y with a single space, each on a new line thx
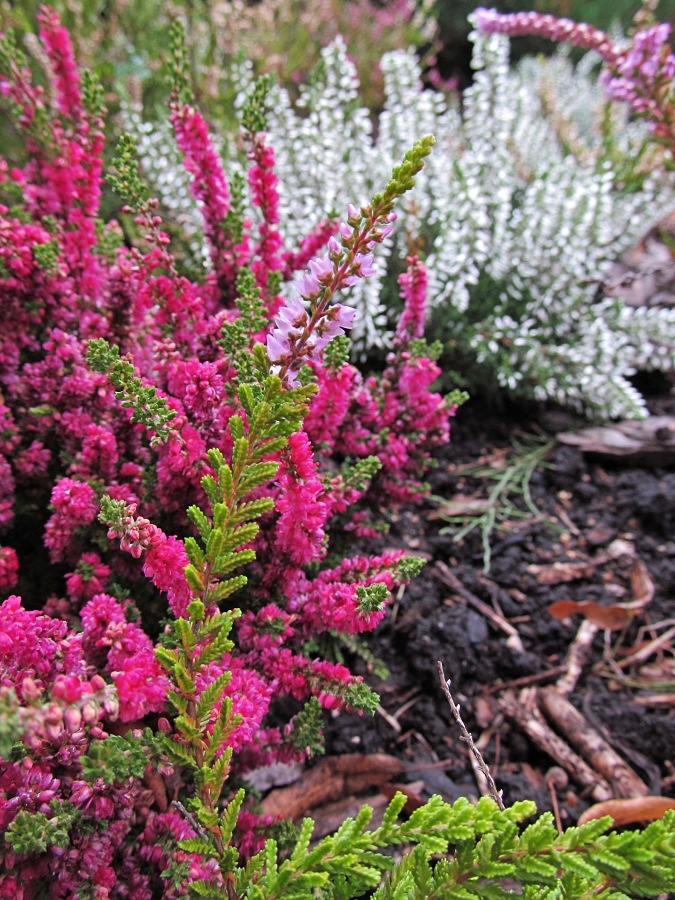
535 187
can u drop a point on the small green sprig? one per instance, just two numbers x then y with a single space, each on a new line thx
47 256
117 757
306 728
148 407
336 354
179 65
128 184
481 849
92 95
205 720
254 111
236 336
507 483
403 176
34 832
233 222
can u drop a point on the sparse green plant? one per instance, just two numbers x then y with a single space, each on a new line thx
508 490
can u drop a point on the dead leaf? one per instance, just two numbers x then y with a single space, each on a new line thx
610 618
624 812
459 506
641 584
650 440
331 779
560 572
155 783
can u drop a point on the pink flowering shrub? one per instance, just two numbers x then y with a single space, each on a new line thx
639 74
130 394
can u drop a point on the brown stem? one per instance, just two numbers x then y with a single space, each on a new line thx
466 737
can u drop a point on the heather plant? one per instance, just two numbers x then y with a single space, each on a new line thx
189 449
278 37
537 185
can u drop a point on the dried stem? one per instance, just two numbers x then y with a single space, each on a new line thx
466 737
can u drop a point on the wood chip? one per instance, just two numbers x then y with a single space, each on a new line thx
627 811
331 779
523 710
590 744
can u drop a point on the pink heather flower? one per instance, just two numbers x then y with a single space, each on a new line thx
329 405
98 615
67 79
93 799
209 184
75 505
252 832
310 247
34 645
136 534
6 492
200 386
299 530
554 29
265 195
413 284
640 75
88 579
270 627
141 685
250 694
308 285
165 564
9 568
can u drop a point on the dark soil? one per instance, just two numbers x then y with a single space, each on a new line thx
586 506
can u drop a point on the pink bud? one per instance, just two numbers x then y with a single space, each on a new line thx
73 718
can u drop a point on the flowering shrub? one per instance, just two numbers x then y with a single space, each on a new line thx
209 425
132 391
518 216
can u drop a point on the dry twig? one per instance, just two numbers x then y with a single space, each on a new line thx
481 765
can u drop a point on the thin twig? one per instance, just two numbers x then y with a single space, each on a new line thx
191 819
466 737
450 580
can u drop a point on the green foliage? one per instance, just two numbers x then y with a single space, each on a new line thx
11 727
403 176
306 733
236 336
254 113
117 757
47 255
179 64
34 832
372 597
485 853
128 184
149 409
509 482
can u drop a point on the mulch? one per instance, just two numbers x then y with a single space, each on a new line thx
560 655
